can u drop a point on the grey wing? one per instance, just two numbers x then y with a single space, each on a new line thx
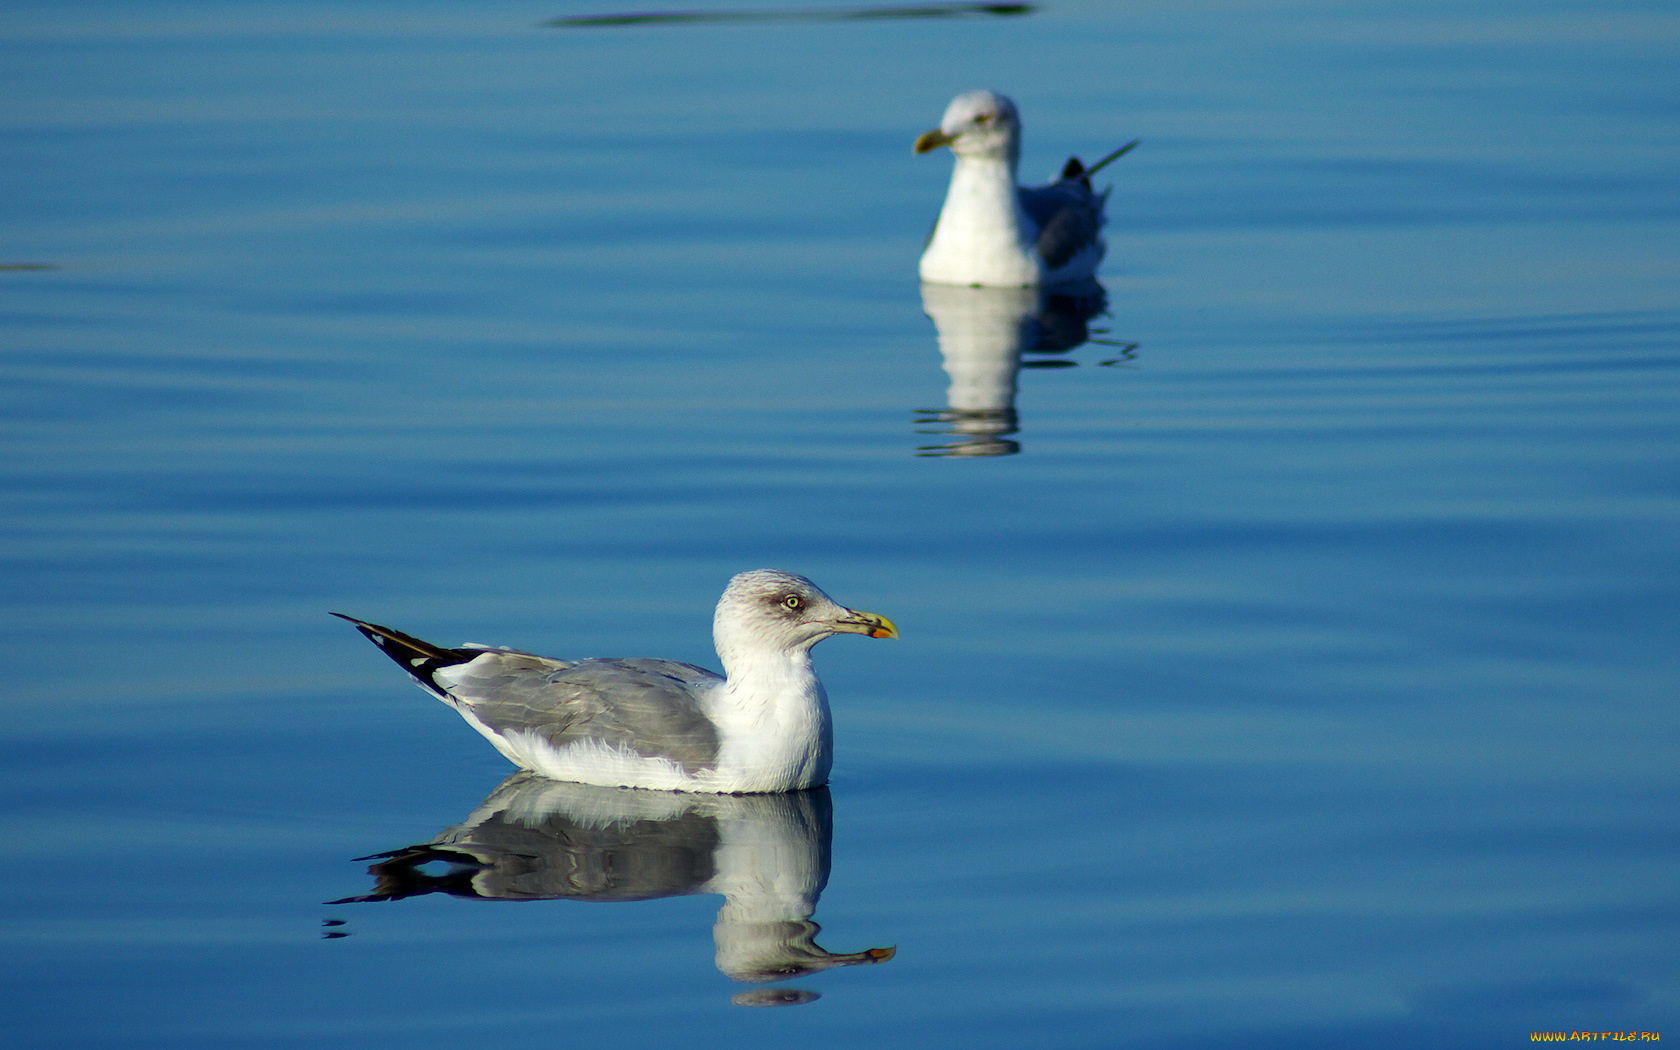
649 707
1069 216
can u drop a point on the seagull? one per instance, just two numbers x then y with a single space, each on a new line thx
994 232
761 726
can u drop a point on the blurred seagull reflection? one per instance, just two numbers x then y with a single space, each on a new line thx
983 335
539 839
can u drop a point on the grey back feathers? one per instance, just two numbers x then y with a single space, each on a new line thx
1069 217
644 706
647 707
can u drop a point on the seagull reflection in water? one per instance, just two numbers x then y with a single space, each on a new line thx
984 335
539 839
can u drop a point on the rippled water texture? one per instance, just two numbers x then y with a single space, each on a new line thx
1288 621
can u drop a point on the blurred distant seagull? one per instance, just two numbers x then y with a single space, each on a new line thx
995 232
761 726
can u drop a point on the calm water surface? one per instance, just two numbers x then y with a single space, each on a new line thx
1289 624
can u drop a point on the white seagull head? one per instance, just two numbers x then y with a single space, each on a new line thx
769 611
977 124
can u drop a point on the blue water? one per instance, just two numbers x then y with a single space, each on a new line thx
1289 663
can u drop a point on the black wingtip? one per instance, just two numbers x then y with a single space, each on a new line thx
1116 155
418 657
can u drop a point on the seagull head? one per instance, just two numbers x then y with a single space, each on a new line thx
770 610
977 124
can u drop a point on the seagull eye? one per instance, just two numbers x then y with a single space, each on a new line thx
793 601
983 119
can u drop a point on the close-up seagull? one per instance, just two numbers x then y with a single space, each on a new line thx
763 725
995 232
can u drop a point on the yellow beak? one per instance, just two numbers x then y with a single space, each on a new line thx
856 621
929 141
